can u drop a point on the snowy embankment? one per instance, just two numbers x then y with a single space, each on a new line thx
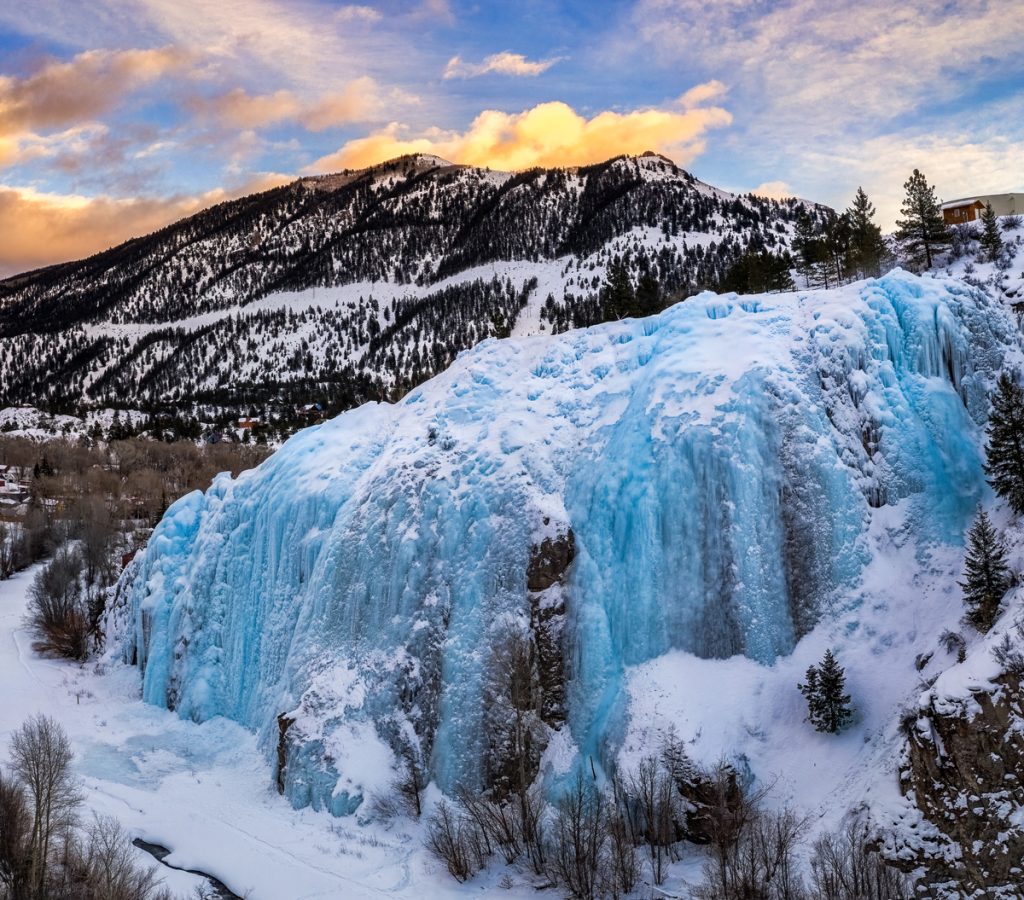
747 480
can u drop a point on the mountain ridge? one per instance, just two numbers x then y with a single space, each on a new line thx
454 254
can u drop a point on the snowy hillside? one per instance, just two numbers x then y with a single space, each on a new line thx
361 285
677 513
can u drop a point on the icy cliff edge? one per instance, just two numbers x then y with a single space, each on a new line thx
714 470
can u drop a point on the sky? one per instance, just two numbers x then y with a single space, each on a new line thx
119 116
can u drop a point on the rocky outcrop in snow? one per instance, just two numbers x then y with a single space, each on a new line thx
963 769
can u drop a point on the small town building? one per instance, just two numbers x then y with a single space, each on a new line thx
967 209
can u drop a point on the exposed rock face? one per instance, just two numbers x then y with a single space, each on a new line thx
549 562
283 724
526 688
963 768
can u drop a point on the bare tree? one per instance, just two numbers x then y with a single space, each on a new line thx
457 841
727 810
623 872
845 867
412 780
58 612
15 836
8 554
761 864
578 839
110 869
516 731
651 796
41 759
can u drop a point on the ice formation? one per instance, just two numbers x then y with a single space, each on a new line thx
717 465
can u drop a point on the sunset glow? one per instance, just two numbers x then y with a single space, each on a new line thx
118 116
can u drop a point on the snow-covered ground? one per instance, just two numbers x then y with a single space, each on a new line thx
897 361
29 422
202 790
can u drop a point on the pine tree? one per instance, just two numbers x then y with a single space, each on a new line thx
986 574
837 252
812 694
922 231
1005 466
808 249
866 244
828 708
617 297
991 240
648 295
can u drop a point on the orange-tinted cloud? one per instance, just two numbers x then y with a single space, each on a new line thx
240 109
773 190
65 93
359 101
503 63
550 134
40 229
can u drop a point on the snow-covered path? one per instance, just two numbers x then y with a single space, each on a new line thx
202 790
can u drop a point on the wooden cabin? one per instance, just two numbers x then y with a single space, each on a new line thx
957 212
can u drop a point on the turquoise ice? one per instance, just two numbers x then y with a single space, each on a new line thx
718 465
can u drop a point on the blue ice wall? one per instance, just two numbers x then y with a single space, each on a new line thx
718 465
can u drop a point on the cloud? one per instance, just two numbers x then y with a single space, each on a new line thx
702 93
773 190
818 66
434 10
361 100
61 94
240 109
354 14
958 164
549 134
504 63
42 228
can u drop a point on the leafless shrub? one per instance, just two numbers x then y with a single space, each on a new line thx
1007 652
15 838
576 853
457 841
58 612
962 239
845 867
496 822
761 863
532 811
953 642
108 866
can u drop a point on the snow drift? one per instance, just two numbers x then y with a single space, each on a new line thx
717 466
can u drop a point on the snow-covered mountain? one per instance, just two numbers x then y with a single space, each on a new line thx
361 285
676 515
